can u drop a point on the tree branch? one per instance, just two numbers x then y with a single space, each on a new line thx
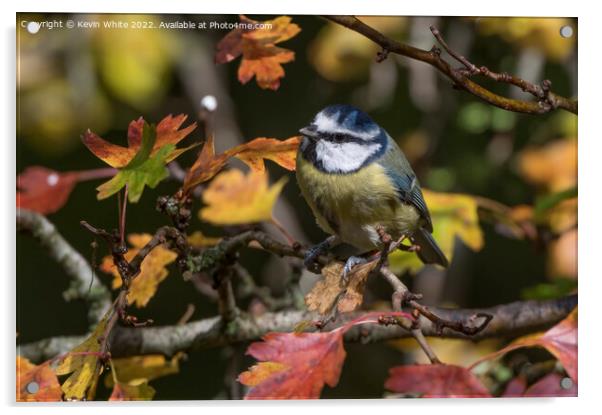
85 284
509 320
547 101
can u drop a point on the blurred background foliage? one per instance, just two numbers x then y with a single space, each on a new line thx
72 80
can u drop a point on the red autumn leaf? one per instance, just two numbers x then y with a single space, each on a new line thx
260 57
436 381
298 365
560 340
515 388
551 385
43 190
36 383
252 153
168 132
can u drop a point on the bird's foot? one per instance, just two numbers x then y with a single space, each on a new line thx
352 261
315 251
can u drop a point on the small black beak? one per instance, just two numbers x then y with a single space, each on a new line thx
309 131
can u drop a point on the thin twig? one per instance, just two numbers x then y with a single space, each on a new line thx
547 101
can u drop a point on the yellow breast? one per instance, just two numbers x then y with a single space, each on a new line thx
350 205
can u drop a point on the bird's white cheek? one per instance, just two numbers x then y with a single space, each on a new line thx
344 157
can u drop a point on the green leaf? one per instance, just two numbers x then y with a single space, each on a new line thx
149 173
547 202
149 136
559 287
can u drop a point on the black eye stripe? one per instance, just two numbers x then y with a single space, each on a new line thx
342 137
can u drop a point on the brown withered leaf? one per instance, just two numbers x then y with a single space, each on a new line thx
152 270
252 153
36 383
260 57
331 288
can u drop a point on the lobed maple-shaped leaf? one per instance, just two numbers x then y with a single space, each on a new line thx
260 57
152 270
167 132
234 198
298 365
560 341
454 216
331 289
143 162
44 190
435 381
253 153
36 383
84 365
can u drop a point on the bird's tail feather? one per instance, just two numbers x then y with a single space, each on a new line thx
429 252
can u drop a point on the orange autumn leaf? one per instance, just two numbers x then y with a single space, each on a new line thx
152 270
43 190
168 132
234 198
260 372
560 341
298 365
252 153
436 381
36 383
553 165
281 152
260 57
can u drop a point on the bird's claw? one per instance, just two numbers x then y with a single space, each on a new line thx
352 261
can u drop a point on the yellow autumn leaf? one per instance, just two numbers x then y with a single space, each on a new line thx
84 365
199 240
138 391
135 369
234 198
152 270
342 55
459 352
454 215
533 32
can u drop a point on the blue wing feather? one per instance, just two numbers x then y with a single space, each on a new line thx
401 174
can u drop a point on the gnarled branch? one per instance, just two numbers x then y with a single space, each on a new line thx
509 320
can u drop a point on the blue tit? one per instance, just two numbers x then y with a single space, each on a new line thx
356 179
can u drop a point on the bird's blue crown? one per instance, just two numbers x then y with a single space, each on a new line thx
346 119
